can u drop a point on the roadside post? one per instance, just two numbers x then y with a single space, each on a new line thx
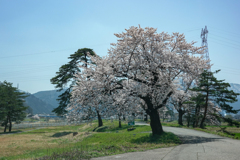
131 123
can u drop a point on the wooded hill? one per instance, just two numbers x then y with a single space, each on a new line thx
46 101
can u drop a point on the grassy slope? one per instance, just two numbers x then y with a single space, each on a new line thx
234 131
106 140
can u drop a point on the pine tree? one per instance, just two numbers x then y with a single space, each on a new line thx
216 91
11 105
65 75
198 104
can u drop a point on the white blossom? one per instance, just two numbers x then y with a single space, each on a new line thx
151 63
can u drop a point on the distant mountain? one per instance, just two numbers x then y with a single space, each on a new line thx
236 88
45 104
38 106
49 97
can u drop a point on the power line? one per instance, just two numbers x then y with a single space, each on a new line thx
46 68
225 41
49 51
27 65
228 67
33 80
20 55
225 72
223 44
225 38
226 31
189 30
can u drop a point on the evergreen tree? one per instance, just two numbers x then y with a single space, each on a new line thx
11 105
216 91
198 105
65 75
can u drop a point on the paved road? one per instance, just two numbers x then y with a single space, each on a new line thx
196 146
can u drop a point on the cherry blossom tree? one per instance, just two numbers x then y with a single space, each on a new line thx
152 63
124 106
181 97
35 117
86 101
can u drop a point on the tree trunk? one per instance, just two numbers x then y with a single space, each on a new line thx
146 118
194 122
120 125
180 115
5 125
197 116
10 126
5 128
163 117
188 120
205 110
194 118
100 123
155 122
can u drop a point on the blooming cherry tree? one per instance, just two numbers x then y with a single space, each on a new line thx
183 95
35 117
151 64
124 106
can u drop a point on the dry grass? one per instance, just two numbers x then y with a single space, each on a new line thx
14 130
230 132
229 129
106 140
16 144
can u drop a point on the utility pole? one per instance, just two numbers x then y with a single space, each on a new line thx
204 35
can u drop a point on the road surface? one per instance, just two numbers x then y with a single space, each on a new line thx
196 145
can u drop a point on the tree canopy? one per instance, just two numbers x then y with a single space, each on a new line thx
152 64
215 91
66 74
11 105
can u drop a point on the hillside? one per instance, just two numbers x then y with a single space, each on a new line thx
38 106
49 97
236 88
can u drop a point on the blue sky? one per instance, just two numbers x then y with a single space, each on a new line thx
37 37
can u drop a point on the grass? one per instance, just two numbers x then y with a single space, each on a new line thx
58 142
14 130
171 124
34 120
231 131
42 139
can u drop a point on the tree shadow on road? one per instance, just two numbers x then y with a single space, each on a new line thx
197 139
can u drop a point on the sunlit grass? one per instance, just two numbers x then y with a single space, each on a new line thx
14 130
55 142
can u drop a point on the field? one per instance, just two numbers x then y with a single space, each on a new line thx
59 142
91 141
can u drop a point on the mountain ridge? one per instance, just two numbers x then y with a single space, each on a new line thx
38 106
